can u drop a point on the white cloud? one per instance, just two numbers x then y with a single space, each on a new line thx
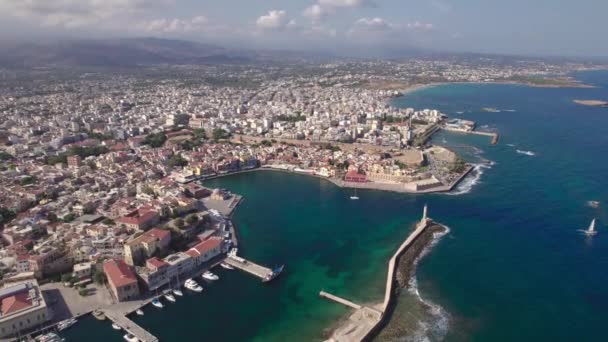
274 20
324 8
379 30
76 13
418 26
163 25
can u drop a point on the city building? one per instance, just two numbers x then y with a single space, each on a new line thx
121 279
22 307
154 241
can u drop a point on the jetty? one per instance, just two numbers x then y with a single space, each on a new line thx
367 320
248 266
130 326
494 135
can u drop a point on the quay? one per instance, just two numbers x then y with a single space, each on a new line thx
339 300
130 326
248 266
366 321
494 135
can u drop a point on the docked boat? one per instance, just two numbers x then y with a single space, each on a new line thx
226 266
193 286
275 273
177 292
98 314
156 302
50 337
210 276
354 196
66 324
139 312
130 338
116 326
169 297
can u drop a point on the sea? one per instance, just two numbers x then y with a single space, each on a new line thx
514 265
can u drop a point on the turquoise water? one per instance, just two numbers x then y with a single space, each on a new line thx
513 266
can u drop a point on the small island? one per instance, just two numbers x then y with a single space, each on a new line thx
592 103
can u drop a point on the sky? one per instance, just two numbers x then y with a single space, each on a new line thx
526 27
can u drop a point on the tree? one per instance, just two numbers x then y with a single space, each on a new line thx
65 278
69 217
155 140
219 134
83 292
99 277
27 180
177 160
108 221
179 223
191 219
6 215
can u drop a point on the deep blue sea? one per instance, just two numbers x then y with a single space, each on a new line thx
513 267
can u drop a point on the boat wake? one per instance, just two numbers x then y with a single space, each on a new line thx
511 145
467 184
435 326
527 153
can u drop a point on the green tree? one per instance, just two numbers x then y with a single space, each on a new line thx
179 223
177 160
219 134
192 219
99 277
155 140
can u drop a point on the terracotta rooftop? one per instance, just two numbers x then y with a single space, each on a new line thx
119 273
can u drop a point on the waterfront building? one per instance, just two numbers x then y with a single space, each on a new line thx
22 307
147 244
121 279
354 176
205 250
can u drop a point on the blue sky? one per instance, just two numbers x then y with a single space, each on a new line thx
556 27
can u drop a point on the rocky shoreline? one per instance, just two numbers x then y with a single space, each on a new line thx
399 325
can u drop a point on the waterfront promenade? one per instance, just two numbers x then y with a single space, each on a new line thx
248 266
366 320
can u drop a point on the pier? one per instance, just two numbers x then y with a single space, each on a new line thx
367 320
339 300
494 135
248 266
130 326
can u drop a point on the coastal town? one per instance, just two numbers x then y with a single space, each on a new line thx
103 199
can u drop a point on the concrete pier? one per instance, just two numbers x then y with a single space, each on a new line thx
366 320
248 266
339 300
130 326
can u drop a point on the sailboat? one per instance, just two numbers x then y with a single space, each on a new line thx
354 196
591 230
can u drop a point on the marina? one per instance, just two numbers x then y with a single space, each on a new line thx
249 267
131 327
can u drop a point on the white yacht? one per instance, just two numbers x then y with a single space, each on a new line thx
116 326
226 266
140 312
193 286
177 292
156 302
169 297
65 324
210 276
130 338
354 196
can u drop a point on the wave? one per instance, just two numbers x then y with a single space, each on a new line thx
467 184
437 326
511 145
527 153
509 110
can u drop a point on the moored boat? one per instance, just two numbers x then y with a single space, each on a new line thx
169 297
210 276
177 292
193 286
116 326
140 312
66 324
275 273
226 266
130 338
156 302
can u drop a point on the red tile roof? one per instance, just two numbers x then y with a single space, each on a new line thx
205 246
119 273
15 303
156 263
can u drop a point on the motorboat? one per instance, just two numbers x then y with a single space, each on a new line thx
156 302
193 286
226 266
275 273
50 337
66 324
169 297
139 312
116 326
210 276
177 292
130 338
